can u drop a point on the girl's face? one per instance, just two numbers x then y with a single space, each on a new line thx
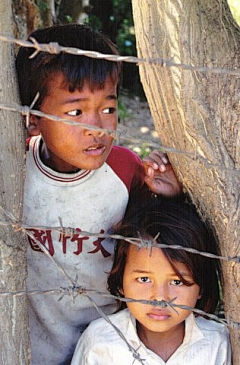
151 276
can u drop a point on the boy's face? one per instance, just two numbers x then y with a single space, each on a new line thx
67 147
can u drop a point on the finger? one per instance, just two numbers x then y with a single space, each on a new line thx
149 162
165 168
152 167
150 172
159 157
159 154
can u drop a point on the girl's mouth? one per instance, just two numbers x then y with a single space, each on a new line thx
158 315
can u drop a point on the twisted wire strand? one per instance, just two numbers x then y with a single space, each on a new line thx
55 48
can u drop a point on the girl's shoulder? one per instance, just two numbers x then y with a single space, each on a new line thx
101 343
210 327
120 319
101 331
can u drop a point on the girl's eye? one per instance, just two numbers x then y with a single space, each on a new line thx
144 279
176 282
74 113
109 111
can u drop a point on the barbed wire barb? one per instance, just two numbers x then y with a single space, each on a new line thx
28 111
82 290
75 289
135 354
55 48
140 242
117 134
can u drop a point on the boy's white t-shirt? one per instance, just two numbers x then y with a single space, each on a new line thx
205 342
91 201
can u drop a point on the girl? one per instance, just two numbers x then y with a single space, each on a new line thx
163 334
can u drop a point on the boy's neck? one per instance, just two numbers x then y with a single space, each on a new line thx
164 344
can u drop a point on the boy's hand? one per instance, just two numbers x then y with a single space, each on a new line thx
160 176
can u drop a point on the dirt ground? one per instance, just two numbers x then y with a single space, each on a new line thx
137 125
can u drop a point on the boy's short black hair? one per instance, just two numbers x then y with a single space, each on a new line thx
35 74
177 223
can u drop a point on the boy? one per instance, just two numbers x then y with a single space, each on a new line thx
74 173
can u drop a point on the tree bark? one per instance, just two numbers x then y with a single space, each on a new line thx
13 314
27 17
198 112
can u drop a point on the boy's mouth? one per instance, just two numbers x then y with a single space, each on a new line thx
96 150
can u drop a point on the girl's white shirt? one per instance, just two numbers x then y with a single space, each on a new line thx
205 342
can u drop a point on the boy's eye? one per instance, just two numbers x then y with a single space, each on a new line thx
144 279
109 111
74 113
176 282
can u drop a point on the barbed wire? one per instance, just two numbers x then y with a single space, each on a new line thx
80 290
138 241
75 289
117 134
55 48
26 111
135 354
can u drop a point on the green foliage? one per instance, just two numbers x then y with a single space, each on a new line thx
121 20
123 112
115 18
94 22
143 150
68 18
43 6
126 41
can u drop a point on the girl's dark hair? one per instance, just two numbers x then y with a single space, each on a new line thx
35 74
177 223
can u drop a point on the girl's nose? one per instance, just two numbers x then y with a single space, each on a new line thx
160 292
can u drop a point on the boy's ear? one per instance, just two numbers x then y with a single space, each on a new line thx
32 128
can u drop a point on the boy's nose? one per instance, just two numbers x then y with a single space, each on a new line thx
93 132
94 121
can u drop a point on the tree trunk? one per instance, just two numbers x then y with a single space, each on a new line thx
13 314
198 112
47 12
27 17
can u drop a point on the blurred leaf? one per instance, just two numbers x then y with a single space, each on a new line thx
235 9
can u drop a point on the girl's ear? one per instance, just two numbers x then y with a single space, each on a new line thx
200 294
32 128
121 291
